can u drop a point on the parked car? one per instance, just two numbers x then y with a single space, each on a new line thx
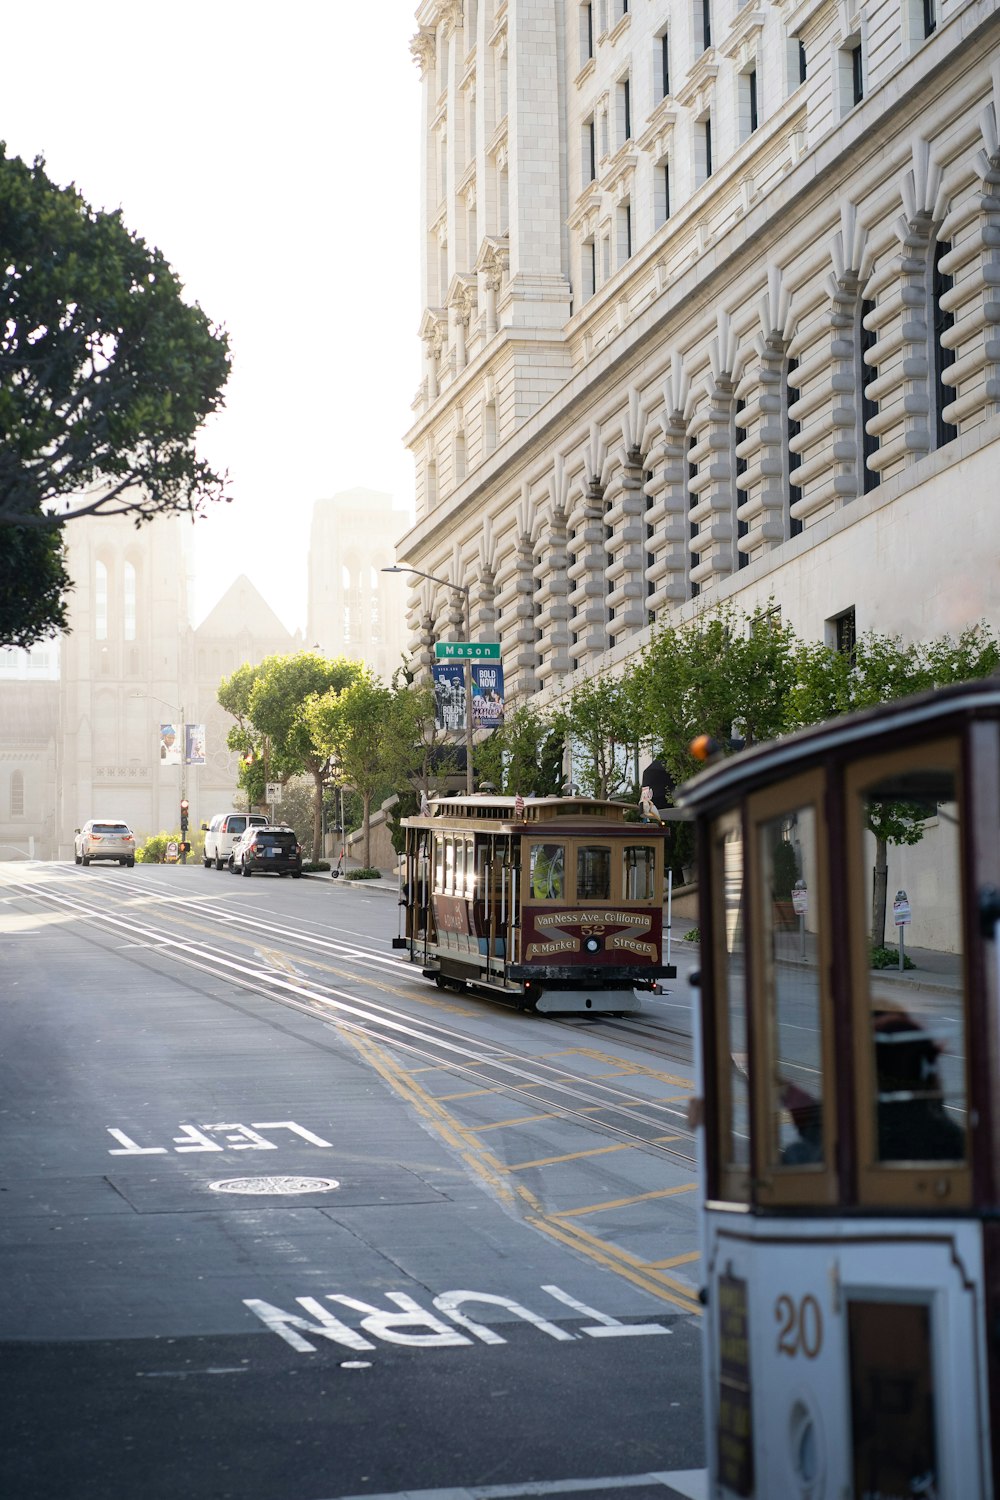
275 850
102 838
222 833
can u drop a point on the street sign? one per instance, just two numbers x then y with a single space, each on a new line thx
274 791
901 914
467 650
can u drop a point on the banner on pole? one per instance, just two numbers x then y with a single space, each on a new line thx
170 745
487 695
194 749
449 696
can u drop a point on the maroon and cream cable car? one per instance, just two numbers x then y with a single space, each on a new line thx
555 903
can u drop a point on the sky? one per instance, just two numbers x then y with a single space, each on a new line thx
272 154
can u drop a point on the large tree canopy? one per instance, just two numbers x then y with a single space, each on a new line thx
106 375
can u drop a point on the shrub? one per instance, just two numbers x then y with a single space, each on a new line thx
367 874
693 935
315 864
888 958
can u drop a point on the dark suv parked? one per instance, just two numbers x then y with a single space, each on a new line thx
268 849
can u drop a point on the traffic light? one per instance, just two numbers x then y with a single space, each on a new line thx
185 805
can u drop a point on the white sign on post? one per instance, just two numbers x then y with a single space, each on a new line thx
901 909
274 791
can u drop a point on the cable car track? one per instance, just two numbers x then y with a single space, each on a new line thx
589 1102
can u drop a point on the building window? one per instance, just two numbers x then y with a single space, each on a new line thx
943 321
662 72
100 602
693 527
844 632
703 25
703 151
868 445
624 101
851 70
748 103
792 430
802 61
588 268
129 601
740 465
459 457
586 33
929 18
661 192
589 151
624 233
17 794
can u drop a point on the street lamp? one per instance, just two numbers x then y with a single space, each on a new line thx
184 802
465 590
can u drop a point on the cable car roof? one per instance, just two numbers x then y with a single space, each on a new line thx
941 708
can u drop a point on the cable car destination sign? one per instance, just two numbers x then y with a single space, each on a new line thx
467 650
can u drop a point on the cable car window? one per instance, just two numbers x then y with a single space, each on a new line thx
638 882
459 888
911 842
439 865
449 866
593 872
732 1063
548 871
792 991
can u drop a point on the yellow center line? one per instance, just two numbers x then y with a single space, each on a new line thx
495 1175
600 1208
675 1260
552 1161
583 1109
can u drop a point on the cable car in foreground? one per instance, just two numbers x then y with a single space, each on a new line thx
555 903
851 1114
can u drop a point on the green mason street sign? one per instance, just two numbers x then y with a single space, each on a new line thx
467 650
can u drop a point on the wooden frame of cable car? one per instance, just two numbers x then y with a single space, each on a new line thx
851 1118
554 903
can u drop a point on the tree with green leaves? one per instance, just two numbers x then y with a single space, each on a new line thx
880 669
725 674
522 755
272 733
106 376
33 585
599 724
372 735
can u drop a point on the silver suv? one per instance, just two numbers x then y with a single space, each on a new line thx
223 831
101 838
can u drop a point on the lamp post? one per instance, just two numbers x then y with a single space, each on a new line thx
465 590
174 709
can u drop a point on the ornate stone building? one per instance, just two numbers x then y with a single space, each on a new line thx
354 610
711 314
79 718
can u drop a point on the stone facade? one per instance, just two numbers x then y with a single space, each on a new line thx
711 314
354 610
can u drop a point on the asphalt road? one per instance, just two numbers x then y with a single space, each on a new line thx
254 1244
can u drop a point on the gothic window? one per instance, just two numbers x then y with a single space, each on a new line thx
100 601
17 794
129 601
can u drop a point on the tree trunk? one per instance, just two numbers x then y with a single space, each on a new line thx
318 850
880 884
366 804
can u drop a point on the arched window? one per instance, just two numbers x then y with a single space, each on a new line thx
100 602
129 601
17 794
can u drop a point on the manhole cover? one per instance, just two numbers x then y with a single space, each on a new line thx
265 1185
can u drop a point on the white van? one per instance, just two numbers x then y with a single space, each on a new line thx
223 831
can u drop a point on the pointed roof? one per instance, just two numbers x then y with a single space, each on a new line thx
243 607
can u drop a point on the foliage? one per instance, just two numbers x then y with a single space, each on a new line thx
784 870
723 674
296 810
33 582
600 722
693 935
106 373
371 733
368 873
523 755
272 732
154 850
315 866
888 958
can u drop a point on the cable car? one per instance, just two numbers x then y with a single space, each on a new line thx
850 1135
554 903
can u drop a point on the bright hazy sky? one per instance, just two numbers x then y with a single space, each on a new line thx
271 153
